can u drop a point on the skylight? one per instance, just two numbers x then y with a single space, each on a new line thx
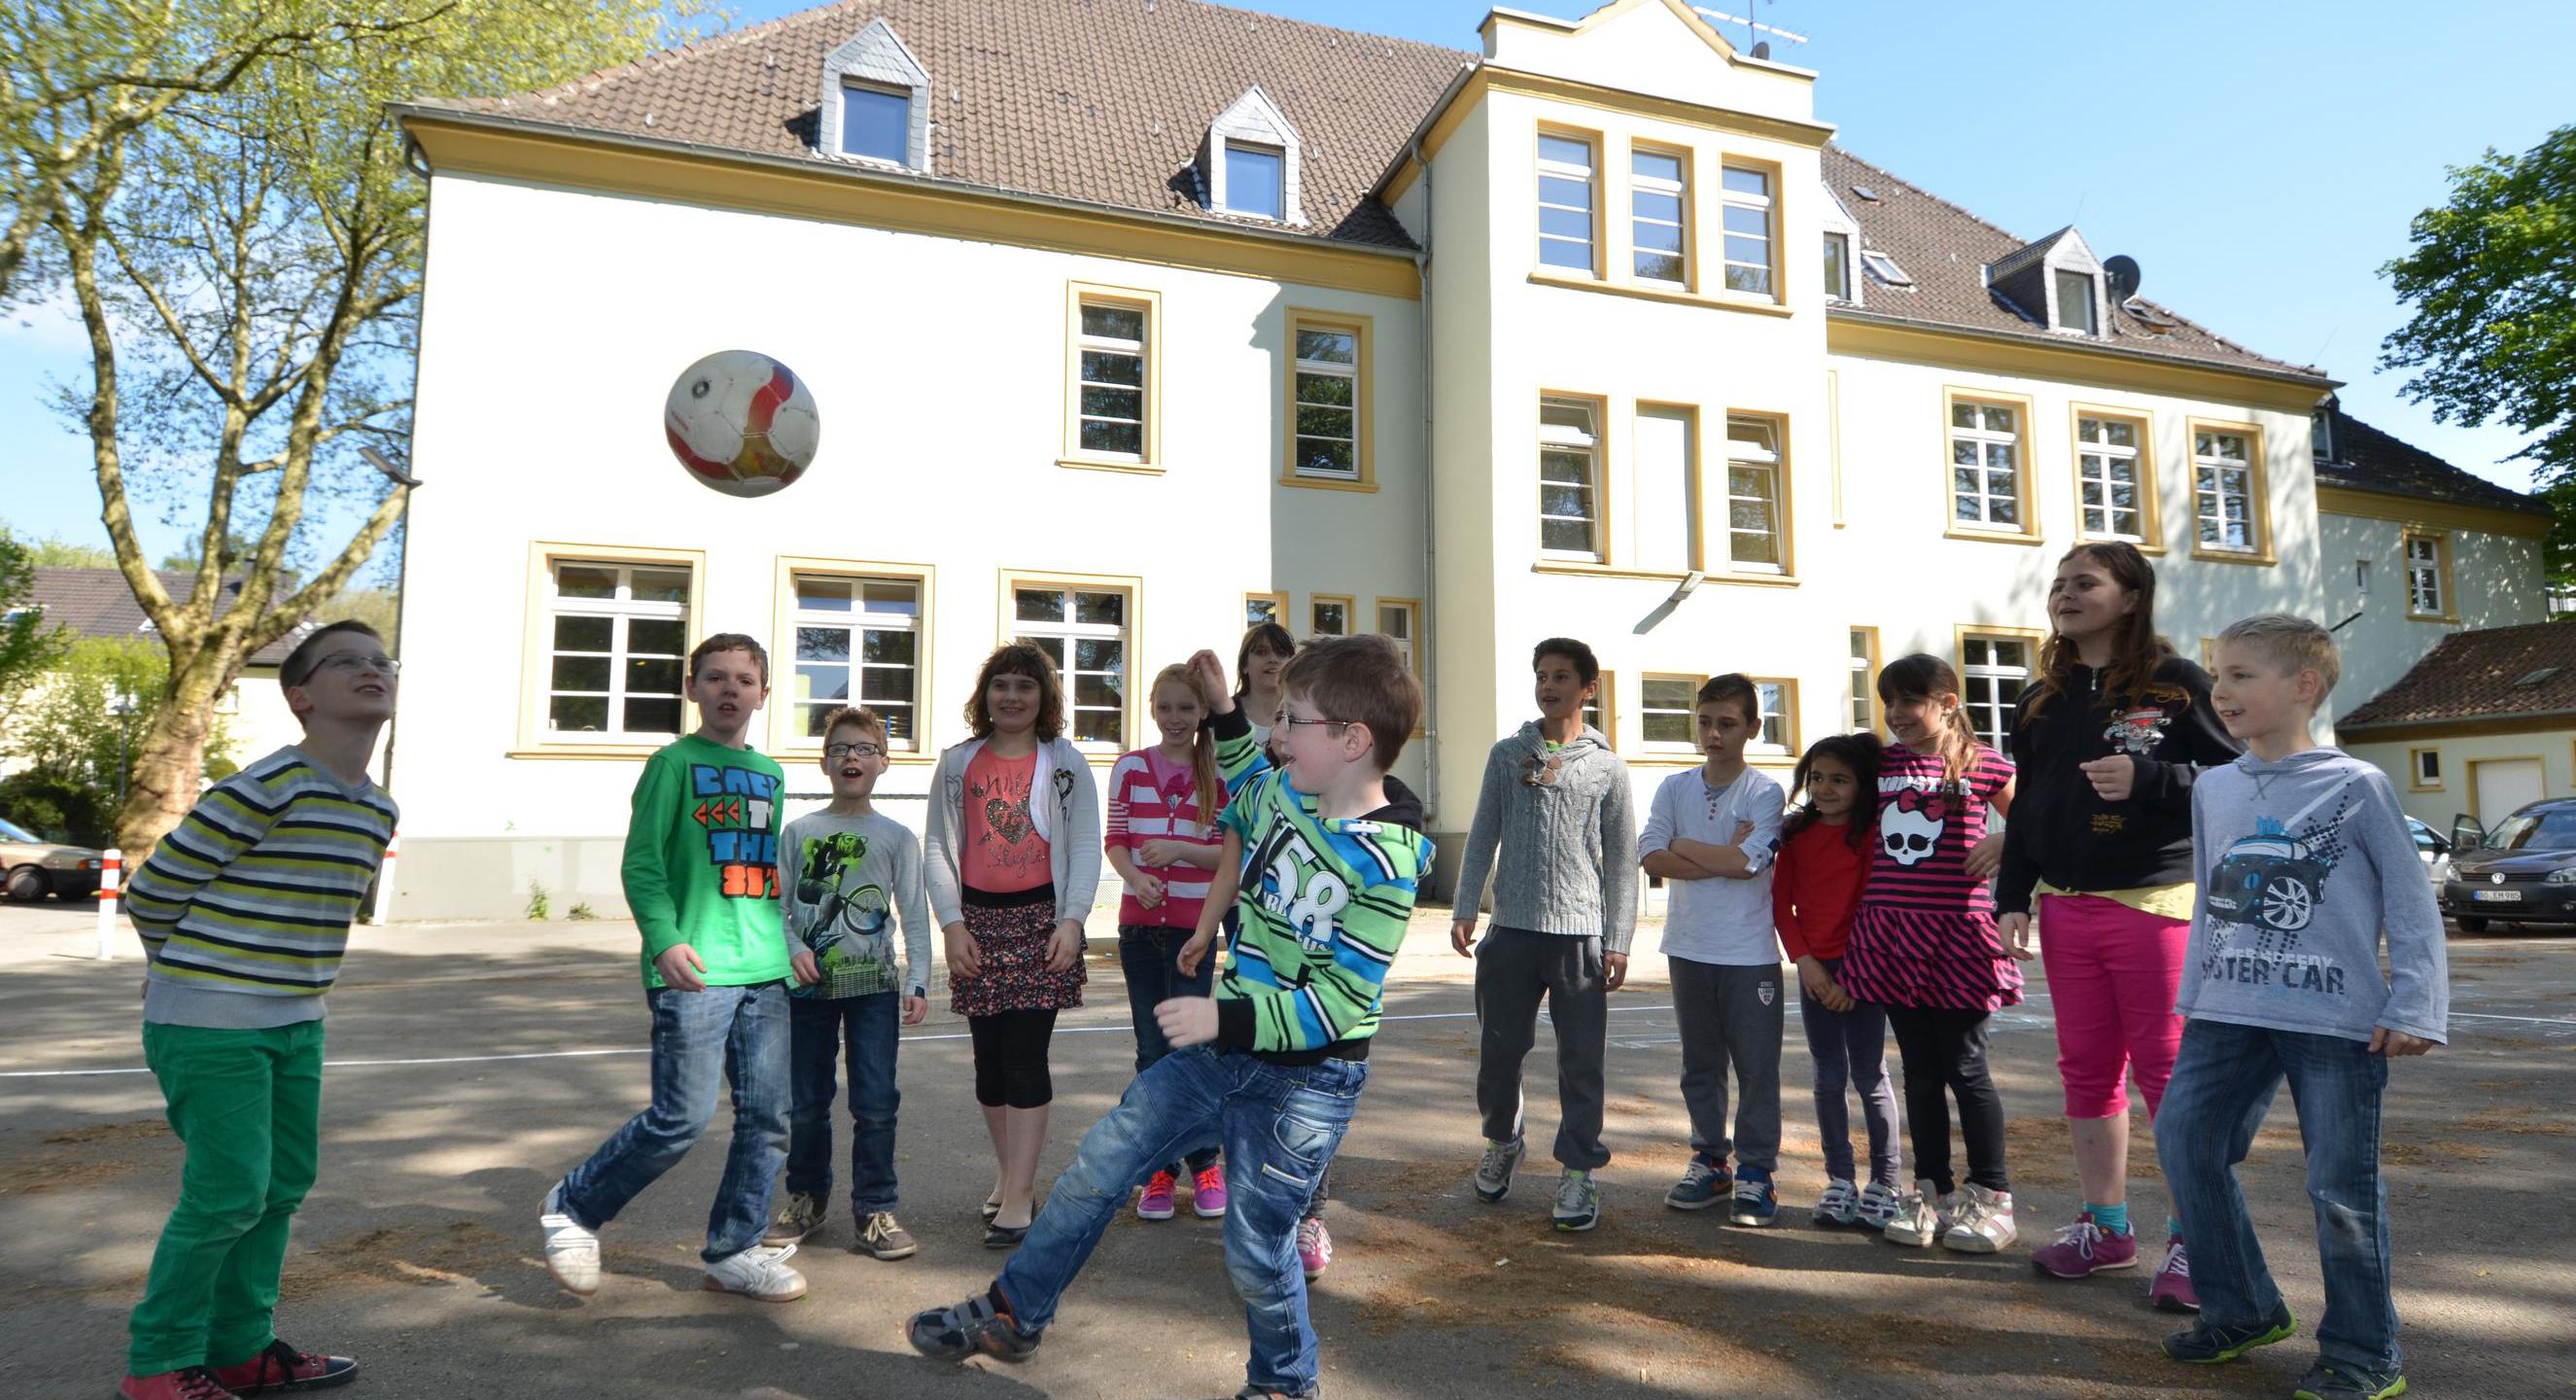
1884 268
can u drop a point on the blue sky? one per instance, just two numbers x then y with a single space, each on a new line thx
2259 160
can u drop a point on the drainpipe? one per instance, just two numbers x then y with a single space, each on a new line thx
1430 544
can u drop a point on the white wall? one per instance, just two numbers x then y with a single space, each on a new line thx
2497 581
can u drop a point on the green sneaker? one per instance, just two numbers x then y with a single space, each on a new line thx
2205 1343
2328 1381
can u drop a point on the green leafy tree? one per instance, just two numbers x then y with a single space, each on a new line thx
2493 283
53 553
29 646
88 717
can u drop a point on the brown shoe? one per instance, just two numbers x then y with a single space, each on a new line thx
880 1237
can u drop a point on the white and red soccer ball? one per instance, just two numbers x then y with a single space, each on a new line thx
742 423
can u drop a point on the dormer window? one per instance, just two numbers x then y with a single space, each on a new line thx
875 103
1256 180
875 123
1838 266
2075 308
2321 435
1249 161
1884 268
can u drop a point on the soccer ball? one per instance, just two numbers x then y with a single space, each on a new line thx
742 423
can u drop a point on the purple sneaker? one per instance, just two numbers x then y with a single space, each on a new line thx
2085 1248
1156 1202
2172 1291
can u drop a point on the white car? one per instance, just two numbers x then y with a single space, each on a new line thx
2434 849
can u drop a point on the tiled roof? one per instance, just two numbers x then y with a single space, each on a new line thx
2496 673
96 603
2366 459
1096 101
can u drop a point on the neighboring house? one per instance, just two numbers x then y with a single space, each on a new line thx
2484 723
1128 323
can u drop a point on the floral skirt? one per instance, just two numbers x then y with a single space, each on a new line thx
1011 933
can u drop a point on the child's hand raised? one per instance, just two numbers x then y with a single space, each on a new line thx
1209 672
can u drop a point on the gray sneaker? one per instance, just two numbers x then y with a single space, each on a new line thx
1578 1201
880 1237
1494 1174
801 1216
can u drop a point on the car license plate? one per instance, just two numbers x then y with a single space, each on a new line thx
2496 896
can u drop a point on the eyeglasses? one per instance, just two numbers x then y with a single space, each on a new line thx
1293 722
351 663
846 750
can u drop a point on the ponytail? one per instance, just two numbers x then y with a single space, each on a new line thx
1925 677
1207 783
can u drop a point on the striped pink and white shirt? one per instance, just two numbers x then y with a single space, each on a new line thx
1924 934
1154 799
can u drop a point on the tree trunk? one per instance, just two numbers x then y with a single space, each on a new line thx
171 759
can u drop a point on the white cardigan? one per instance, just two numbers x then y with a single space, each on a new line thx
1064 806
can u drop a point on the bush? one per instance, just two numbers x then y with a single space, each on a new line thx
60 809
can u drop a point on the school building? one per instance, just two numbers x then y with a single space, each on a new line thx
1131 320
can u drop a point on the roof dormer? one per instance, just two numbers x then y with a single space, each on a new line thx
2056 282
1842 250
1249 163
876 101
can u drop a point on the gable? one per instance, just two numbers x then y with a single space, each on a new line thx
1660 48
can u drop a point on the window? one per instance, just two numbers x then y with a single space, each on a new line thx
1667 489
1993 669
1569 479
2225 482
1399 620
2075 303
1668 703
857 643
1838 266
1658 195
1755 541
875 123
2321 435
2114 488
1259 608
1256 180
1778 700
1748 229
1602 710
2424 769
2428 575
618 648
1084 630
1113 374
2361 577
1566 198
1864 679
1328 407
1884 268
1986 466
1328 617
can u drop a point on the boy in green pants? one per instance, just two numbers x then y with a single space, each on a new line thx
244 910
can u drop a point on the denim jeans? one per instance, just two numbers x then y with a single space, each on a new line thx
822 1031
735 1035
1147 958
1279 1126
2223 1081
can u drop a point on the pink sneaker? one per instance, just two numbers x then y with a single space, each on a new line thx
1207 1192
1156 1203
2085 1248
2172 1290
1314 1247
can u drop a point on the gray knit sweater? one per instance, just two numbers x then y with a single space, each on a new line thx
1568 845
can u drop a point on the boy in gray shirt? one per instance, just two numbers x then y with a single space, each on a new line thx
2304 863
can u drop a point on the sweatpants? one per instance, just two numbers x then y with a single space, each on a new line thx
1945 1049
1514 969
1731 1017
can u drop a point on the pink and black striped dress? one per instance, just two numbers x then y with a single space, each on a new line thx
1924 934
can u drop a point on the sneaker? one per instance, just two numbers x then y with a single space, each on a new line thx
881 1237
1878 1205
1207 1192
759 1272
1704 1183
1840 1205
1502 1162
1756 1200
2328 1380
2172 1291
572 1252
1156 1203
1578 1201
971 1328
1983 1223
801 1216
282 1368
189 1383
2083 1249
1920 1218
2205 1343
1314 1247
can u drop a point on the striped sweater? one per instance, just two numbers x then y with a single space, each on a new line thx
1323 907
1150 805
252 894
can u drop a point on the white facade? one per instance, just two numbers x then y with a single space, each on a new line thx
2467 574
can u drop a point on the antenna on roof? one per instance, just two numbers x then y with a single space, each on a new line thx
2122 273
1752 28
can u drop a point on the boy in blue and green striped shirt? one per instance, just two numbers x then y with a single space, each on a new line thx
244 909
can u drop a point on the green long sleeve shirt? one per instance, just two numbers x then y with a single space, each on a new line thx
701 863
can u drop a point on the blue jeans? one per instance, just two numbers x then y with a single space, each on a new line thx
822 1031
1148 959
2223 1081
1279 1126
735 1035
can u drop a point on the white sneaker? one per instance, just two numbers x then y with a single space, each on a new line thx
572 1253
1983 1222
1840 1205
758 1272
1878 1205
1922 1217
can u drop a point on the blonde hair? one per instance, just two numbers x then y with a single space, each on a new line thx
2292 643
1205 779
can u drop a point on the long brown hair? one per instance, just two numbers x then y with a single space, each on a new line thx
2136 649
1857 752
1019 659
1208 783
1925 677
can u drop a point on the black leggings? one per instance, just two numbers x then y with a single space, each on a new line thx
1946 1048
1011 1058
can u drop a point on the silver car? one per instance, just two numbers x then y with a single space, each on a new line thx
32 867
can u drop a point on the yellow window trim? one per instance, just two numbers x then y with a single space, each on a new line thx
2441 539
2025 484
2415 769
1647 678
1783 477
1363 388
1694 471
1600 144
1350 613
783 735
1581 569
1834 438
1779 223
1789 718
536 644
1006 624
1690 283
1412 641
1601 492
1962 633
1869 681
2262 554
1736 301
1141 299
1853 332
2413 510
1278 608
1608 699
2150 485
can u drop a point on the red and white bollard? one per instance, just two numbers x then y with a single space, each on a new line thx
385 882
111 864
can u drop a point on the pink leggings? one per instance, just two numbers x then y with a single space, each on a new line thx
2113 973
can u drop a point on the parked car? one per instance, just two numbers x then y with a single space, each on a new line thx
2435 851
35 867
2524 871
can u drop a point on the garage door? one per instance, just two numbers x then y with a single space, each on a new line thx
2504 784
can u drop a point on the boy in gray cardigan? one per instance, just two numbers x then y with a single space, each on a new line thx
1555 804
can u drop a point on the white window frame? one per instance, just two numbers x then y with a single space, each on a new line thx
1589 174
1986 437
1315 605
858 621
1675 188
2210 492
1300 370
1278 609
2424 769
1410 638
2098 461
1990 711
875 60
1863 701
862 85
1086 343
1068 632
1233 195
1767 205
622 609
2427 576
1603 712
1838 258
1766 462
2321 435
2088 297
1648 712
1775 700
1568 440
1884 268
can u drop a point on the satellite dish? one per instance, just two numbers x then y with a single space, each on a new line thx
2122 270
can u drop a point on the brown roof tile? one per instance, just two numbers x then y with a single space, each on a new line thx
96 603
2494 673
2366 459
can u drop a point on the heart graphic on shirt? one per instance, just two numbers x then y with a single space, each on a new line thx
1008 820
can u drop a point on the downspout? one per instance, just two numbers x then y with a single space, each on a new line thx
1430 543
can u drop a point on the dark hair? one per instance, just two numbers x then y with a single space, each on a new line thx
298 666
1861 754
1267 636
1359 680
1019 659
1586 665
1732 687
2136 650
729 641
1924 676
